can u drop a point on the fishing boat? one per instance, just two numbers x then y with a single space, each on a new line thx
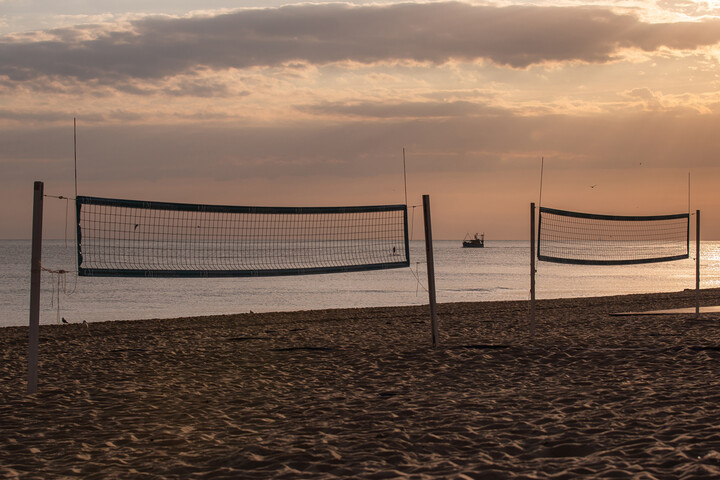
478 241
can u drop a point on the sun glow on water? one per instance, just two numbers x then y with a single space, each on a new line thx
500 271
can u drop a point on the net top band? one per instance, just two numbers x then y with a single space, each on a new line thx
193 207
596 216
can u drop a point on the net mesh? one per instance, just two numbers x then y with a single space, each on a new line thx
134 238
572 237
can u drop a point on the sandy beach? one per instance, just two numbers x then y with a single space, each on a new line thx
360 393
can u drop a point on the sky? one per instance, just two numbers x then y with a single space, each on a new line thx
601 107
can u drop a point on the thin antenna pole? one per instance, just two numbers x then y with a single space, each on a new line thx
75 151
405 176
542 167
77 243
532 240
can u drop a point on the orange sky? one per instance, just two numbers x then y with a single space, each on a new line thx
263 103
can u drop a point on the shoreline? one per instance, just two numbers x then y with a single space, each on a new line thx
662 300
360 393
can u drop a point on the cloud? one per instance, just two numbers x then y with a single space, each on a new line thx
648 98
492 142
386 110
158 47
690 7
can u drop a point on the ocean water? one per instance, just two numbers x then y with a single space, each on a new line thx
500 271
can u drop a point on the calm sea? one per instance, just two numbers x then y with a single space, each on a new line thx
501 271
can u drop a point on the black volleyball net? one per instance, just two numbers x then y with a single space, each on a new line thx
591 239
157 239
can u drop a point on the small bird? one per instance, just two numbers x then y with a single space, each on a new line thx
593 186
87 327
64 321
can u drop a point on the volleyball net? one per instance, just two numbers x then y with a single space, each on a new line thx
133 238
591 239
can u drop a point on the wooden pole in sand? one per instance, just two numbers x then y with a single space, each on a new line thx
532 270
697 263
430 270
35 277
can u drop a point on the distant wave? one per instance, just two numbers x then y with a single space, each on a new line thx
489 290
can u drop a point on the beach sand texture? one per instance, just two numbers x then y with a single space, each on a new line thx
360 393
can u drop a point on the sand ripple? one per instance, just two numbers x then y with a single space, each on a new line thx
359 393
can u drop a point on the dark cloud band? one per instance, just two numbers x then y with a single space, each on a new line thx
518 36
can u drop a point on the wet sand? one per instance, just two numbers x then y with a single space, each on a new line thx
360 393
